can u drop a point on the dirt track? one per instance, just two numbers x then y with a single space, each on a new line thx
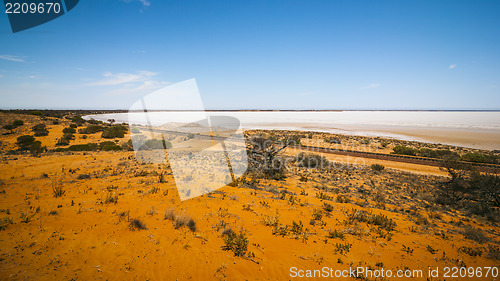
397 158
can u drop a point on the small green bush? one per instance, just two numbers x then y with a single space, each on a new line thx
18 123
24 142
377 167
112 132
40 130
238 243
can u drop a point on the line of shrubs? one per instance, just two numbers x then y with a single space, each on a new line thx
14 125
104 146
116 131
445 154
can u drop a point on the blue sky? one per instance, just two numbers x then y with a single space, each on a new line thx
106 54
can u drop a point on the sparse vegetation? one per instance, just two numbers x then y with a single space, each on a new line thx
137 224
4 222
377 167
238 243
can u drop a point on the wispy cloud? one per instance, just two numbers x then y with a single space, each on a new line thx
453 66
138 88
111 79
141 82
1 75
12 58
370 86
145 3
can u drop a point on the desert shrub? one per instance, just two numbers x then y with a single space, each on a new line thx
437 153
26 218
336 234
68 136
36 148
479 158
128 146
265 160
155 144
4 222
17 123
111 198
297 227
57 188
377 167
333 140
9 127
317 214
312 161
343 199
379 220
40 130
36 113
109 146
180 220
383 221
342 248
431 250
170 214
407 249
238 243
78 120
404 150
322 195
473 252
69 130
475 234
271 220
112 132
24 142
62 142
327 207
91 129
494 252
136 224
83 147
421 220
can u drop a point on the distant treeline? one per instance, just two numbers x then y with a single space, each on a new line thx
59 113
446 154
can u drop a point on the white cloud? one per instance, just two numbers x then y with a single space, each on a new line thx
453 66
142 88
122 78
371 86
145 3
12 58
142 82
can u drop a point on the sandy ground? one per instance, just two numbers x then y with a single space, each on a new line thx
359 161
81 235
